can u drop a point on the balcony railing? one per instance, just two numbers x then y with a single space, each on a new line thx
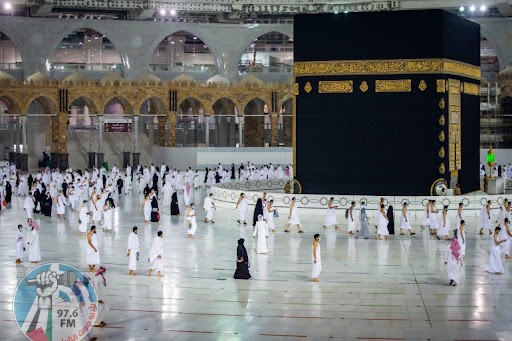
11 66
86 67
182 68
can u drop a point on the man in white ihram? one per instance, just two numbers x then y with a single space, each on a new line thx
156 255
133 251
209 206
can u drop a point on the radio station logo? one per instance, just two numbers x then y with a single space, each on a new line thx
55 302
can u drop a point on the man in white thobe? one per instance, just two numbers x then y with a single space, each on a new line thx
133 251
28 206
19 244
261 230
209 206
156 255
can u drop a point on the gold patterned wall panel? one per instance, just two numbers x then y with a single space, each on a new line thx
441 85
393 85
471 89
334 87
454 125
386 67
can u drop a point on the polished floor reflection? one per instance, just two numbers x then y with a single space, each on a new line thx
368 289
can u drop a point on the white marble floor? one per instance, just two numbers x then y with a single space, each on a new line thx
369 289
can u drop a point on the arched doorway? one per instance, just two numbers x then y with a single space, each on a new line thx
489 63
256 123
87 51
152 130
226 124
285 125
191 124
271 52
10 57
42 123
183 52
10 123
82 131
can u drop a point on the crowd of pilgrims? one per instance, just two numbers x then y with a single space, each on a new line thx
498 171
93 195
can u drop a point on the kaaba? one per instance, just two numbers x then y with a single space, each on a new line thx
386 103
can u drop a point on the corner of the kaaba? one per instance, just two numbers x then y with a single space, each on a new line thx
390 109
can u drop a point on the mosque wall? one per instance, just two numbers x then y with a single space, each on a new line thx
199 158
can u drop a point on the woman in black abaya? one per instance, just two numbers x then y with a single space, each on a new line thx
242 262
258 210
175 209
391 220
154 210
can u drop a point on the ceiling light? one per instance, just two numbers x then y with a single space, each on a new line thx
461 9
335 12
8 6
345 12
162 11
173 12
195 38
472 8
483 8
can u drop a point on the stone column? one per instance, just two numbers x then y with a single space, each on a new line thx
161 131
23 164
136 134
62 139
100 157
241 131
172 128
126 159
136 153
207 131
151 127
274 129
92 160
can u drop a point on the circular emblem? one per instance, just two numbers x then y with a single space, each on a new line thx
323 201
343 202
304 200
483 201
55 302
286 200
499 201
258 184
465 201
269 183
405 200
446 202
